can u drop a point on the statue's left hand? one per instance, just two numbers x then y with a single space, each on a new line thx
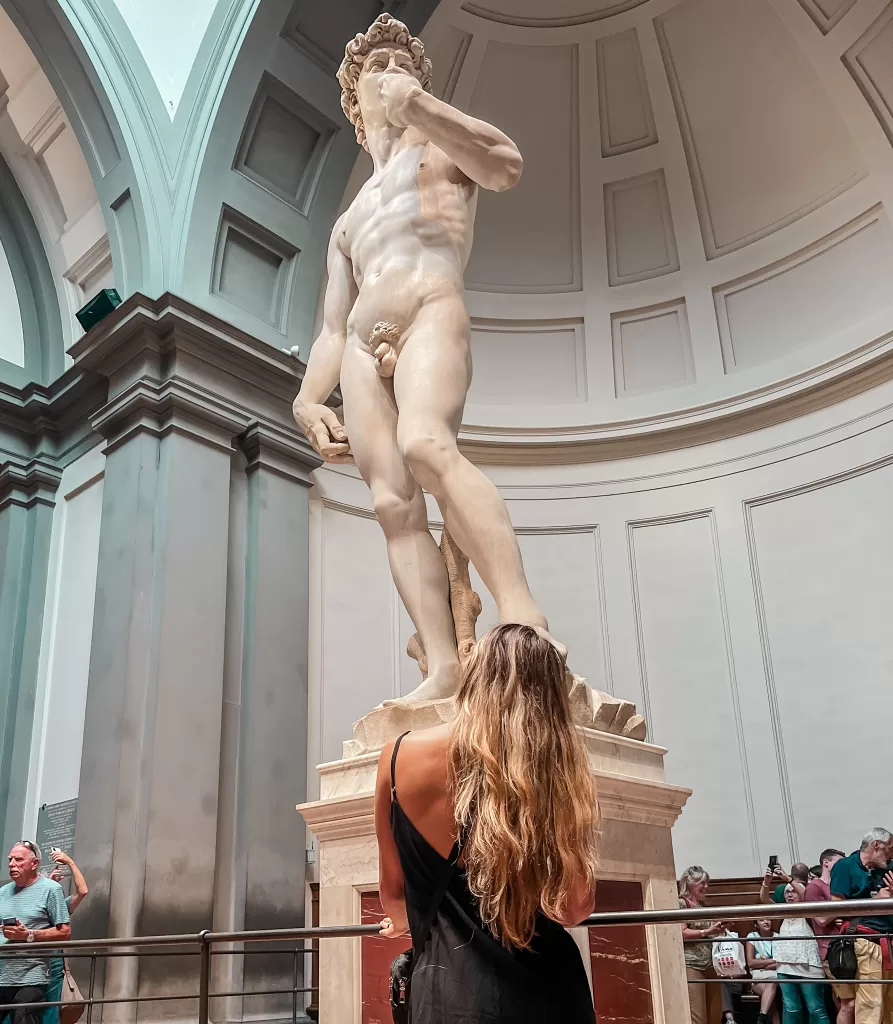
398 91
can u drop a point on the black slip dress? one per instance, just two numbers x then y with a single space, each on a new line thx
462 974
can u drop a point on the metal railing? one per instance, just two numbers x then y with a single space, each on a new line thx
201 944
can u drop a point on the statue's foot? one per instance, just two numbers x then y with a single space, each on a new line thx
439 685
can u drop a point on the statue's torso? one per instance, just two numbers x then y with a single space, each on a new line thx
408 234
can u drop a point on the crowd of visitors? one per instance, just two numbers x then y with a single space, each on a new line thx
35 909
796 958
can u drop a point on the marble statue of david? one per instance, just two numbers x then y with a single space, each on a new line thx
396 334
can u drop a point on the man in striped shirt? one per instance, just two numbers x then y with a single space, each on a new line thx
32 910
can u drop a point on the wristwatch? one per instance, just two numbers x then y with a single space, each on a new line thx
30 937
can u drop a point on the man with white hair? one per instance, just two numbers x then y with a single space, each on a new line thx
33 910
865 874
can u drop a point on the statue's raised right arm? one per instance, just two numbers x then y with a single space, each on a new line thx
482 153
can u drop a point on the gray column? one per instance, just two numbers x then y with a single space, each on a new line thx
260 870
27 497
195 732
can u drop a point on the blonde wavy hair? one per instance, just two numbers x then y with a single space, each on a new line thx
519 775
384 31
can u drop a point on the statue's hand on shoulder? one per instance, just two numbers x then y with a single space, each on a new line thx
399 90
323 430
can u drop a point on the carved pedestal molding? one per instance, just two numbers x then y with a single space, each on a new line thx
592 709
197 684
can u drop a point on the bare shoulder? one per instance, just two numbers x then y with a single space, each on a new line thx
340 232
422 757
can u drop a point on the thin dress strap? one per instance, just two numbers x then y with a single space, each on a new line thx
394 766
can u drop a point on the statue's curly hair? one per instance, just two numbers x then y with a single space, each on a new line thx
385 30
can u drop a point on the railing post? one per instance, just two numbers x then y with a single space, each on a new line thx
294 985
204 978
91 989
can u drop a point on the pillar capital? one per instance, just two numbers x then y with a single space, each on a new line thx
173 367
284 452
28 483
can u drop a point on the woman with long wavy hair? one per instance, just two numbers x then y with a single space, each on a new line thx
487 829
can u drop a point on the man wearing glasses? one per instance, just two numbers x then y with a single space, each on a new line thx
32 910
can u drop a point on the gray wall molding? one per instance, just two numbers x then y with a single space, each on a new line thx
50 424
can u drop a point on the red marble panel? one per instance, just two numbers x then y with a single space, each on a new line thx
620 975
619 956
377 954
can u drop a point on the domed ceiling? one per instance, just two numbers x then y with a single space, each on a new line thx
702 224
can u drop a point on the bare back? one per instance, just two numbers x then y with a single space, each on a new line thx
422 771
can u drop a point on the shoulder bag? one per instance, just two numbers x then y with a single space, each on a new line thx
74 1005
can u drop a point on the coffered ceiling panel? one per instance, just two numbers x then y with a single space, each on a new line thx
764 142
528 238
537 13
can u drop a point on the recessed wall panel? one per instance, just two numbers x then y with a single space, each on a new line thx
639 228
870 62
527 239
688 677
652 349
756 164
284 144
822 561
534 362
563 569
322 27
358 628
253 268
827 288
447 54
625 114
556 14
826 13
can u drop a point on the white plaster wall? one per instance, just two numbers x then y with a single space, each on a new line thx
12 339
738 592
61 698
43 153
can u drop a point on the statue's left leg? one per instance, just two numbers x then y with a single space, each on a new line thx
430 383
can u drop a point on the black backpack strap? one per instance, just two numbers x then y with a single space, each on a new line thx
394 766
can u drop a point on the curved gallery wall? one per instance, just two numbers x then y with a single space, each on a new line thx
682 327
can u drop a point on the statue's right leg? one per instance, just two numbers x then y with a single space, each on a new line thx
418 568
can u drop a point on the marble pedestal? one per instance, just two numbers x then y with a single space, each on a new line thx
638 809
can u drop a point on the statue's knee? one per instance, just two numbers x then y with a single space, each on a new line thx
428 457
394 512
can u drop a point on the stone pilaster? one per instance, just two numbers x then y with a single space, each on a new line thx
42 428
196 703
27 496
260 849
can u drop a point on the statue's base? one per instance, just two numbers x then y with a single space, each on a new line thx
638 810
591 710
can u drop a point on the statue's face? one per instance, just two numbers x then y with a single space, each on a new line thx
385 60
